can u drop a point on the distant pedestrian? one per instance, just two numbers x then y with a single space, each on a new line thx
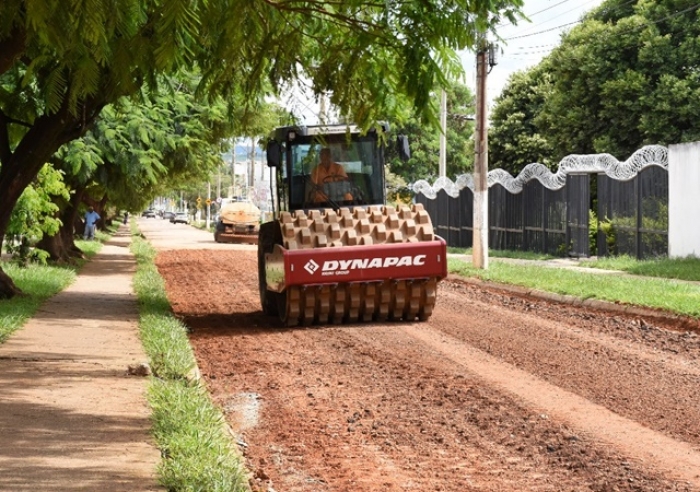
91 218
126 217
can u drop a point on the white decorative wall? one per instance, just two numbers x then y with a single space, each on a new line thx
684 200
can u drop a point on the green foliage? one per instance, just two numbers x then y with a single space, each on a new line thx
35 215
139 148
366 54
654 224
424 140
514 137
605 226
608 229
62 63
618 81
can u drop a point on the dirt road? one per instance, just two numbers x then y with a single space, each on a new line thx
495 393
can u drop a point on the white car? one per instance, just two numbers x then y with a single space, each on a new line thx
181 218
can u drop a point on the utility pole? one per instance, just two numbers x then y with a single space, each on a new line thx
480 238
443 134
232 190
218 183
251 174
322 109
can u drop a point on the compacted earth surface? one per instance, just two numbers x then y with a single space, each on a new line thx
496 392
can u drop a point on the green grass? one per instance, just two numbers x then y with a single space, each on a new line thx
37 283
682 269
666 294
189 429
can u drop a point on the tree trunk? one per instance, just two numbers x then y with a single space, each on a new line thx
47 133
54 246
69 217
61 246
8 289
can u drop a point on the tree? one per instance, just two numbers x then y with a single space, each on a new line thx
35 213
625 78
424 139
622 79
137 149
514 137
62 62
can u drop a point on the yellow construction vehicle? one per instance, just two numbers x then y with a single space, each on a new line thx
238 222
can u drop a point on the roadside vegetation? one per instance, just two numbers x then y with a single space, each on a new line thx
663 292
39 282
190 431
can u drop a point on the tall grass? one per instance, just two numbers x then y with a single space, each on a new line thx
189 429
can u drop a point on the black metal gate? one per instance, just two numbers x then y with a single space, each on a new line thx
633 214
578 187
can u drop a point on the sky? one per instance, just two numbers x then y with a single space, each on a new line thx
534 40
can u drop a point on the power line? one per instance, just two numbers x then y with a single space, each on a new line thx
549 8
535 25
563 25
541 32
646 24
536 13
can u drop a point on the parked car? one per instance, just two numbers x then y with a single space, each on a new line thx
149 214
180 218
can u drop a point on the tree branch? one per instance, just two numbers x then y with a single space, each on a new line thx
12 48
5 152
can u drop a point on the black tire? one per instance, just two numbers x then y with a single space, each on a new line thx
266 242
218 229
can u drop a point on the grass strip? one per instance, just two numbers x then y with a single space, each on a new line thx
198 455
39 282
666 294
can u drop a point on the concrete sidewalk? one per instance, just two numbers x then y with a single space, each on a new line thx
71 419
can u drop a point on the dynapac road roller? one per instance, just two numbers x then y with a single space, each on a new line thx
334 252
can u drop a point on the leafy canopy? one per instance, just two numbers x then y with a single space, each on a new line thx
365 52
624 78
